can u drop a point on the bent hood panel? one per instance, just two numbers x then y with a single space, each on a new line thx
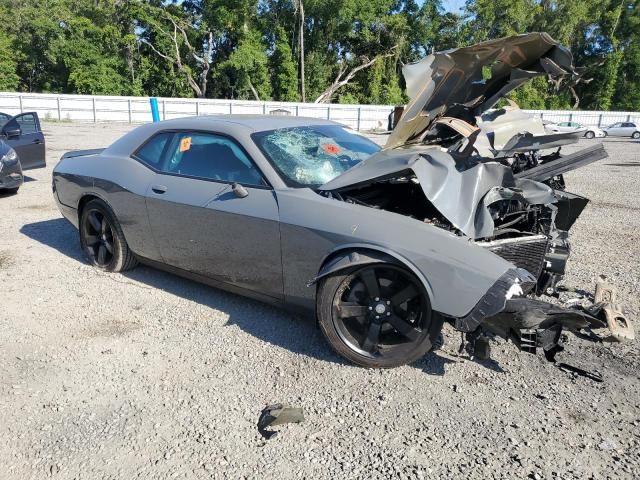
475 77
460 190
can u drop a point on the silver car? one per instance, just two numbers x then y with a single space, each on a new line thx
623 129
379 246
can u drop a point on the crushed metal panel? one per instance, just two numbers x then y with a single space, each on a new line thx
564 164
461 190
474 77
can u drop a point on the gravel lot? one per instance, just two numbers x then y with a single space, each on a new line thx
147 375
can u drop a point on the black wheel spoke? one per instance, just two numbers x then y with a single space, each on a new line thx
104 226
102 255
109 246
382 312
404 295
404 328
95 222
370 280
349 309
370 342
91 240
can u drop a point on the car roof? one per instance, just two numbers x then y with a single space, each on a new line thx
255 123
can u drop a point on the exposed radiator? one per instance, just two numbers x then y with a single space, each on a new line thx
527 253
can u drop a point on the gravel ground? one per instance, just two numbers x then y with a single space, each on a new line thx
147 375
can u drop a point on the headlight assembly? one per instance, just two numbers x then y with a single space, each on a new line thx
10 158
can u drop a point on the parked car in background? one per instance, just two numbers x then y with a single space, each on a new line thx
23 134
11 178
565 127
623 129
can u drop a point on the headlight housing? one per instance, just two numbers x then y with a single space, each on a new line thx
10 158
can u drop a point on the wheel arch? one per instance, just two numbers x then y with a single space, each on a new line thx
347 256
86 198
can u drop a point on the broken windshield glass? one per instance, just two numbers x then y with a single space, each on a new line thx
313 155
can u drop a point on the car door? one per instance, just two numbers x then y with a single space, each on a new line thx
615 130
628 129
24 135
213 214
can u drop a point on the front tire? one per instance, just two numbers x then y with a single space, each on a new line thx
102 240
377 316
589 135
636 135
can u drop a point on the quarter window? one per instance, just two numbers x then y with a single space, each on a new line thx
212 157
151 152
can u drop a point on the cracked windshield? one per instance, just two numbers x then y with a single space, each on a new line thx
312 156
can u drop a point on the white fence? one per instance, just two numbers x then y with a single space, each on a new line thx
84 108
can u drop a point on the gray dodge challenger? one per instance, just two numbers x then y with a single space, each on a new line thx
462 217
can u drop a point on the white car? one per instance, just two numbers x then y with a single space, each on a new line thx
565 127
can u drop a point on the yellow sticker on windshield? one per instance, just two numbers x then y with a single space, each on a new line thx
185 144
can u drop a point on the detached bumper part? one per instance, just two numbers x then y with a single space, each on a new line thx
513 281
605 298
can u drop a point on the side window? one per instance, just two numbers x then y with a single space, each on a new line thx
563 124
628 125
26 122
151 152
4 118
210 156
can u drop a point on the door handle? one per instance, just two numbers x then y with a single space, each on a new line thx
159 189
37 141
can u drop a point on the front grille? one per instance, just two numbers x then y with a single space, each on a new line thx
527 253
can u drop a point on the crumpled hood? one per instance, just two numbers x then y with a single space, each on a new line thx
459 187
474 78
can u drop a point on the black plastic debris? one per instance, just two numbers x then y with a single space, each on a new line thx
277 414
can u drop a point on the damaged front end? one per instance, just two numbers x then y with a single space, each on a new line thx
494 177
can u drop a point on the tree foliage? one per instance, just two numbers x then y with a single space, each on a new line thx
348 51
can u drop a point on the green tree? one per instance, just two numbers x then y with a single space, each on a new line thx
247 69
284 70
9 79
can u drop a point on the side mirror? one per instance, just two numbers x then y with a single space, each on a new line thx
12 133
239 190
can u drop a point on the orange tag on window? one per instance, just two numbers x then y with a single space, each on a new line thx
185 144
331 149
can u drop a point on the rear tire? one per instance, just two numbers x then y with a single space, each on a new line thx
349 311
102 240
589 135
10 191
636 135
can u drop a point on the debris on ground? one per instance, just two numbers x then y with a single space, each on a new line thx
277 414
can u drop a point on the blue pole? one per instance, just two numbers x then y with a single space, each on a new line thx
155 114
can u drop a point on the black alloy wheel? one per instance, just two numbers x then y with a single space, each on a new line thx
98 238
380 316
102 239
